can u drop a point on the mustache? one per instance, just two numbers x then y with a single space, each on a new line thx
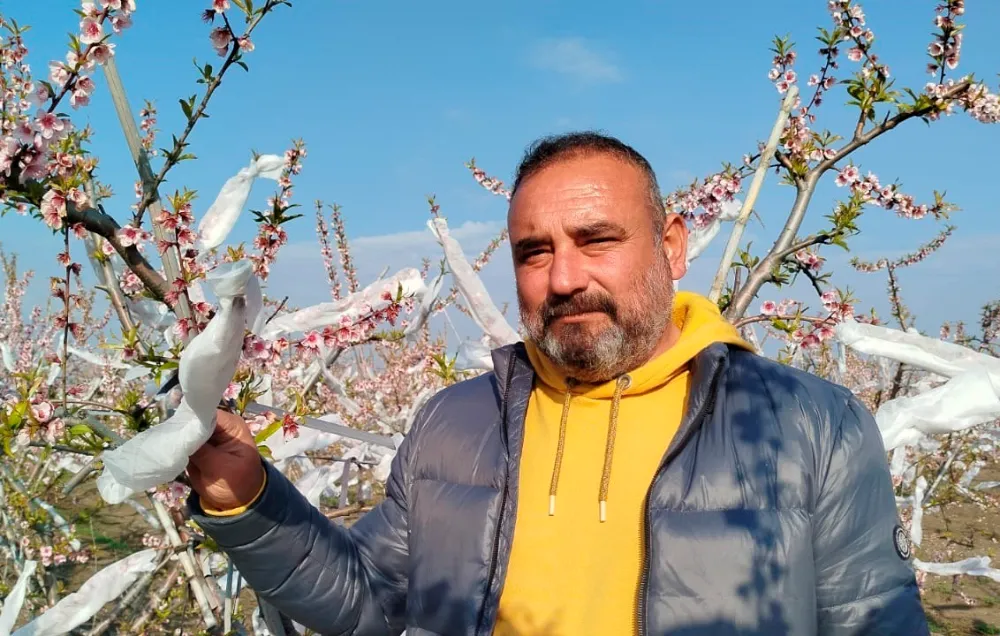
559 307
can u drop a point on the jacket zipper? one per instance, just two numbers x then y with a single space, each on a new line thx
503 495
648 516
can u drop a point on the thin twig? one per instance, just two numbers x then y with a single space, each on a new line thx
280 307
749 320
348 511
156 598
151 195
65 343
804 191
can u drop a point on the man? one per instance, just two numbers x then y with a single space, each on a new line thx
632 468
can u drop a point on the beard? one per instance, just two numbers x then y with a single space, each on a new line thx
595 353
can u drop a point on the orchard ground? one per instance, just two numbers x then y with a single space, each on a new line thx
955 605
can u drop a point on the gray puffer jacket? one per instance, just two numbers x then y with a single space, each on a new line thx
772 514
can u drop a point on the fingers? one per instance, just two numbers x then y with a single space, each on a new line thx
230 423
204 455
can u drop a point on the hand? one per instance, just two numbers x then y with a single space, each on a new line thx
226 471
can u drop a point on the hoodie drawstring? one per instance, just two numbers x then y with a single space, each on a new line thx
560 448
609 450
622 384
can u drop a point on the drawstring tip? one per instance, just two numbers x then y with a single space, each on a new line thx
552 505
604 511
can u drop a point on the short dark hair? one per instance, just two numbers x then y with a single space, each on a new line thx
551 149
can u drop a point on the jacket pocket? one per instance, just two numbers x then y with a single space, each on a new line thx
451 535
749 569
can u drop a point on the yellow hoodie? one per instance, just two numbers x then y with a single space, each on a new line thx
588 459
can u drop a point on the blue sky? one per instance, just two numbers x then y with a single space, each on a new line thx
393 98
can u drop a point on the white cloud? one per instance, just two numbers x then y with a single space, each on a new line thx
575 58
469 233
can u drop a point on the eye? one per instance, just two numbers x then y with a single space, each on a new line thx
529 255
601 240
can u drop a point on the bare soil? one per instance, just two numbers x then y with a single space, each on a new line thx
966 604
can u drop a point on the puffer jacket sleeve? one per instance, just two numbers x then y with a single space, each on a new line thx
329 578
865 584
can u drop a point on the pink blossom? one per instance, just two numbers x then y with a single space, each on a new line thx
85 84
42 411
220 37
53 209
855 54
90 10
58 73
101 53
79 98
130 235
768 308
220 6
847 176
130 283
50 125
313 340
809 340
289 427
231 392
54 430
120 22
91 31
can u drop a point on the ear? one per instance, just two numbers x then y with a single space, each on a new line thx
675 241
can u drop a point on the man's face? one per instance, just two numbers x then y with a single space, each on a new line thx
594 281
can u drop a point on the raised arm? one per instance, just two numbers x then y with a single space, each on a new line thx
329 578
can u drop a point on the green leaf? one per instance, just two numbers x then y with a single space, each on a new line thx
262 436
79 429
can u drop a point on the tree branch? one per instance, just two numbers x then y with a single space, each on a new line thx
102 224
742 322
152 194
805 270
815 239
762 273
886 126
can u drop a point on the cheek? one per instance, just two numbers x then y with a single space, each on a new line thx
532 287
615 273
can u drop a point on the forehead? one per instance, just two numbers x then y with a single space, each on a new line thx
580 190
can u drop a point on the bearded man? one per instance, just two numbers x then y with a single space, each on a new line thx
633 467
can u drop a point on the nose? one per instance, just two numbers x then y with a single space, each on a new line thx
566 275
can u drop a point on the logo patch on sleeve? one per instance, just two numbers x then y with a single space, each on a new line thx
901 541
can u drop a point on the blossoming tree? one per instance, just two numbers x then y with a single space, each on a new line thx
120 380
